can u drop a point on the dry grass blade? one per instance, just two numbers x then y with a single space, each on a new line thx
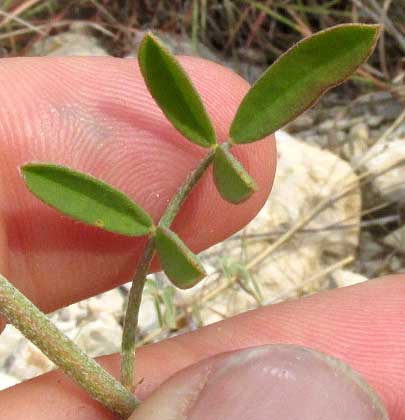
21 21
26 31
18 10
367 156
291 291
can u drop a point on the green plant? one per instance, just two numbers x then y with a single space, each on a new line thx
292 84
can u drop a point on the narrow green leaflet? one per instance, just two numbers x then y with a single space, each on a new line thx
299 77
86 199
233 182
173 91
181 266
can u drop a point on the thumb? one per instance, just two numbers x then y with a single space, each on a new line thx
280 382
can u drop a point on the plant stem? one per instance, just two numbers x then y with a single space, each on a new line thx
135 295
38 328
183 192
131 317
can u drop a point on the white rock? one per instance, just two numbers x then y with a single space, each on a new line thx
19 358
148 319
96 328
344 278
114 300
99 337
306 176
388 183
28 362
78 41
357 142
66 319
111 302
6 381
10 339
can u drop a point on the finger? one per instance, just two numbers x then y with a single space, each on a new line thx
280 382
362 325
95 115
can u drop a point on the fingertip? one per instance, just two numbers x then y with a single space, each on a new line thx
95 115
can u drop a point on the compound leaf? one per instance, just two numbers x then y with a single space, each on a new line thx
181 266
299 77
86 199
173 91
231 179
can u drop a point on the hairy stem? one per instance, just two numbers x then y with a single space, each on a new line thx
131 317
138 281
177 201
37 327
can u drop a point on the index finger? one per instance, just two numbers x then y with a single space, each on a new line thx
95 115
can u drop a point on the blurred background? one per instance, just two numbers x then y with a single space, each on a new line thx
341 164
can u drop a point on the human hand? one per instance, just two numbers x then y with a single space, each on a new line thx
95 115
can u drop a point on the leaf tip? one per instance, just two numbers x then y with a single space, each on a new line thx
377 29
21 170
150 40
374 30
174 92
150 37
26 169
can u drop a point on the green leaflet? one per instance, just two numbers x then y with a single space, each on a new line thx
233 182
86 199
173 91
181 266
299 77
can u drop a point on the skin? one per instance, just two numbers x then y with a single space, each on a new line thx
95 115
